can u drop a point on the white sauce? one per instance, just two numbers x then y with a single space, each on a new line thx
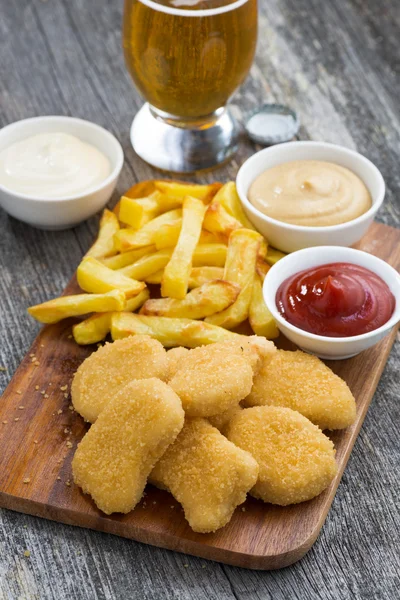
52 165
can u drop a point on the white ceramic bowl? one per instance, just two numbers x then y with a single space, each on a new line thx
68 211
287 237
330 347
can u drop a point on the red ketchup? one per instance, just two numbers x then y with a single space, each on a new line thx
335 300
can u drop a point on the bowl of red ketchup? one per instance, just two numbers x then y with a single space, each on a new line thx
333 302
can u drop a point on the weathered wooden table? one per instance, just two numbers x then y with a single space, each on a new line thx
337 64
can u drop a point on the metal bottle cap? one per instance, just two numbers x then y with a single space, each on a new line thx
272 124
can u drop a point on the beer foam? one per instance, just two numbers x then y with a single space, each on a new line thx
182 12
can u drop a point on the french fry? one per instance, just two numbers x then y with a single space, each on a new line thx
262 268
210 298
155 278
104 244
213 255
218 221
141 189
98 326
170 332
79 304
201 275
93 329
180 190
129 239
147 265
176 274
95 277
261 320
239 268
133 213
167 236
228 197
127 258
198 275
137 212
273 256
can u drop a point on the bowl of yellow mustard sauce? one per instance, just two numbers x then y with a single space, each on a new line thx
305 194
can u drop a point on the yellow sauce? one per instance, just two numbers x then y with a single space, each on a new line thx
310 193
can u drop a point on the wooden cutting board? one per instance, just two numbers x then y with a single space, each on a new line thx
39 433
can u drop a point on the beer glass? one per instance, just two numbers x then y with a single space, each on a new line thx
187 57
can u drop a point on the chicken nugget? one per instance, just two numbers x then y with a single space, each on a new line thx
256 349
304 383
207 474
222 419
212 380
175 357
296 460
113 366
115 457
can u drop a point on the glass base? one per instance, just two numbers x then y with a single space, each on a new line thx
181 146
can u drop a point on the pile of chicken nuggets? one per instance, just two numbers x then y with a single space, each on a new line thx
210 425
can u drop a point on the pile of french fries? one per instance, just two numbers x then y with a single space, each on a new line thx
196 243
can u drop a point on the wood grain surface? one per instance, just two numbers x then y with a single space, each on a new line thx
40 433
337 63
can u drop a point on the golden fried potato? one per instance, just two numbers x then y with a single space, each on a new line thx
104 244
167 236
118 453
93 329
218 221
296 460
228 197
175 356
207 474
170 332
95 277
104 372
98 326
181 190
304 383
145 267
57 309
139 211
240 269
127 258
130 239
201 302
200 275
175 279
261 320
273 256
212 380
134 213
221 420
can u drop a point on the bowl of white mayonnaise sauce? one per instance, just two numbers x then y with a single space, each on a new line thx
55 171
305 194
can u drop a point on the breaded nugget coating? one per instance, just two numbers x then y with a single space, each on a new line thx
296 460
257 350
222 419
114 365
304 383
207 474
176 357
115 457
212 380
